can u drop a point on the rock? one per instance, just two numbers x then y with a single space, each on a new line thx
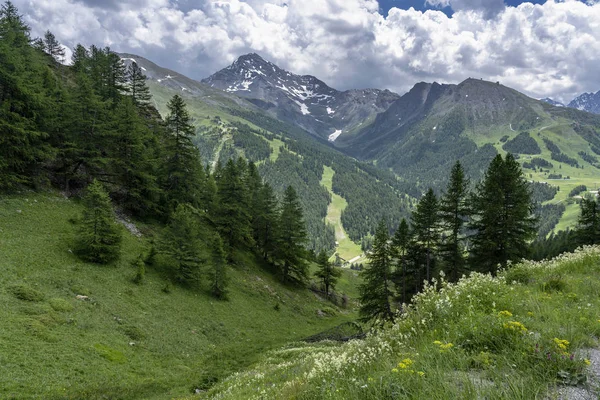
82 297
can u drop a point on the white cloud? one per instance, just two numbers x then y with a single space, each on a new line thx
544 50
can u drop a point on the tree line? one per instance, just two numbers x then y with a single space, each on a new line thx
459 232
91 128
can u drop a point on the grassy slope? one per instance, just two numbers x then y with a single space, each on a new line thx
482 338
346 248
128 341
561 133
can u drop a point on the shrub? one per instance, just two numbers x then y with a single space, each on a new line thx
519 274
27 293
554 283
61 305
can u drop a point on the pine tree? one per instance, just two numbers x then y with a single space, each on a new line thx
327 273
588 223
218 276
454 212
426 229
291 238
502 216
376 290
53 47
138 89
180 242
400 243
80 59
233 216
265 221
99 238
183 174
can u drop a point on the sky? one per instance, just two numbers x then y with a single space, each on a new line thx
542 48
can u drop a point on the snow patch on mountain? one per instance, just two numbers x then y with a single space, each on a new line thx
334 135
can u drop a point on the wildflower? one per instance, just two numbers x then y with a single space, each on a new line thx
395 370
587 362
515 326
421 373
407 361
530 314
505 313
439 343
561 343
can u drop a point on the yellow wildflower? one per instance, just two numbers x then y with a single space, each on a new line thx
439 343
407 361
505 313
421 373
402 365
395 370
530 314
515 326
587 362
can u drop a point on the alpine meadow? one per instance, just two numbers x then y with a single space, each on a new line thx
220 227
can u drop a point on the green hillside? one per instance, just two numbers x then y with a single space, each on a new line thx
149 341
525 334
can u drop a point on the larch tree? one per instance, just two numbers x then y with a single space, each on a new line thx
400 243
376 293
503 219
588 223
99 237
326 272
218 274
454 213
291 238
426 229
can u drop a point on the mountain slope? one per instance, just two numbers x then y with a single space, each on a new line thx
589 102
302 100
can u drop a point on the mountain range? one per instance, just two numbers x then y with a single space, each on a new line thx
412 139
589 102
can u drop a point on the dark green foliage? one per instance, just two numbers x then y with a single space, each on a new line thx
233 207
53 47
327 273
551 146
376 290
541 192
255 147
548 216
588 224
426 229
180 243
454 213
140 93
399 251
557 155
523 143
265 220
537 162
503 221
546 248
596 149
577 190
290 254
218 275
99 236
589 158
183 172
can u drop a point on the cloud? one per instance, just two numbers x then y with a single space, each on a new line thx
489 8
544 50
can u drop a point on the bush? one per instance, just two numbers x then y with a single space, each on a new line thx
554 283
27 293
61 305
140 267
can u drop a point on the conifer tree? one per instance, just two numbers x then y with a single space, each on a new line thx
376 290
218 276
180 242
138 89
426 229
454 212
502 216
99 237
588 223
233 216
183 172
326 272
291 238
80 59
53 47
400 243
265 221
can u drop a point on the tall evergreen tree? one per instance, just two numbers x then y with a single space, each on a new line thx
588 223
376 290
183 172
138 89
503 216
399 250
454 212
218 275
99 237
426 228
233 215
180 242
264 223
326 272
80 58
291 238
53 47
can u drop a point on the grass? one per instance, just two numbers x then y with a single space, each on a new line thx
126 340
516 336
346 248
